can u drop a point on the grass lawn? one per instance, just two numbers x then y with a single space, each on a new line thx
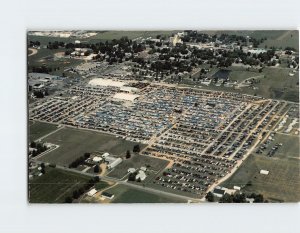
110 35
54 186
101 185
289 148
46 56
283 40
277 38
137 161
283 181
276 84
39 129
125 194
75 142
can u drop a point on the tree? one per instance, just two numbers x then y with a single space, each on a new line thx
136 148
87 155
227 198
75 194
259 198
209 197
96 179
132 176
68 200
33 144
97 169
128 155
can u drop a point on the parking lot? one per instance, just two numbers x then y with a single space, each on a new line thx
203 134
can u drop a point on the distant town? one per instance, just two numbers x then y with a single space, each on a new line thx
163 116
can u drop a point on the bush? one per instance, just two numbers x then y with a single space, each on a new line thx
68 200
136 148
97 169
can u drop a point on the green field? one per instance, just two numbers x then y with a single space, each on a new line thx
46 56
283 181
39 129
136 161
54 186
110 35
124 194
289 148
285 39
75 142
103 36
277 38
275 84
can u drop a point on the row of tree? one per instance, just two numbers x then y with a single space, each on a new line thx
78 192
236 198
38 148
79 160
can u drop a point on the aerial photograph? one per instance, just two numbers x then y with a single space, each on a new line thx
181 116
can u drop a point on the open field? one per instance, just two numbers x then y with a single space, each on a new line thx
289 149
110 35
276 84
75 142
102 36
277 38
124 194
46 56
137 161
285 39
283 181
39 129
54 186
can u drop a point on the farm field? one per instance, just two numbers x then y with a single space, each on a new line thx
39 129
124 194
283 181
102 36
110 35
154 165
48 56
285 39
289 149
75 142
54 186
276 84
277 38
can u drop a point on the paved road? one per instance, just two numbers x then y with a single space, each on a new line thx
148 189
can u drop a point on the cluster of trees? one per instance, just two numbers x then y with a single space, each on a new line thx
128 154
34 43
78 192
136 148
79 160
114 49
55 45
40 69
39 148
40 93
241 198
97 169
132 176
194 36
236 198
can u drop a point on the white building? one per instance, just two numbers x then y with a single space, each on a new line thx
131 170
141 175
264 172
97 159
114 163
92 192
